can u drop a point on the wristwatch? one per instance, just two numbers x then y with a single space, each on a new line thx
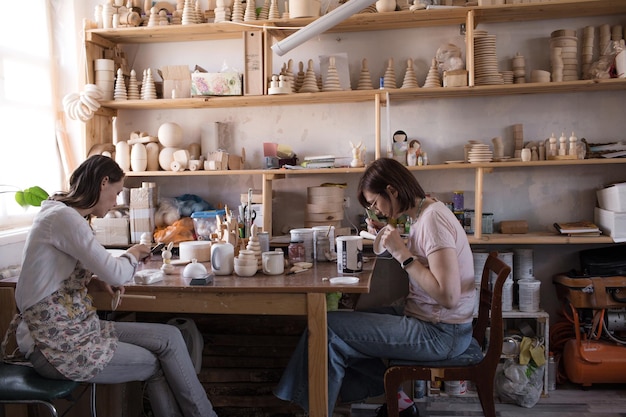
407 262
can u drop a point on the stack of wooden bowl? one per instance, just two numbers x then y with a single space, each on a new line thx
324 206
567 41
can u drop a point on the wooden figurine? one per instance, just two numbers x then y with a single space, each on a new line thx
573 145
332 78
238 12
119 93
299 77
433 79
552 150
250 14
410 79
390 75
563 145
310 80
365 79
133 86
148 89
357 160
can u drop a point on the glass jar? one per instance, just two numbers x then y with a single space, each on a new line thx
296 252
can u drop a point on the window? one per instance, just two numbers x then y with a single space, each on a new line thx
29 154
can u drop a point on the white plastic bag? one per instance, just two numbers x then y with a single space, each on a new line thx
520 384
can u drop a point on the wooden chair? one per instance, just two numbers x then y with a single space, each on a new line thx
20 384
471 365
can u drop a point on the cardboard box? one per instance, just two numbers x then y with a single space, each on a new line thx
112 232
613 197
612 223
215 84
455 78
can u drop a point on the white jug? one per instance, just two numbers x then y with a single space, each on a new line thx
222 258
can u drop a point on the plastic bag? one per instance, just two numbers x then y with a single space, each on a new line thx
520 384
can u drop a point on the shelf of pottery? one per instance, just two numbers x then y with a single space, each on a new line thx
483 74
449 75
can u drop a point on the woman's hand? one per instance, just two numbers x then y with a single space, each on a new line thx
374 226
103 286
394 243
139 251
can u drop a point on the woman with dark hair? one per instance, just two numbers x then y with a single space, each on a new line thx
57 328
435 321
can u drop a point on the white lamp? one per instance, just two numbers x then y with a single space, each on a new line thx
320 25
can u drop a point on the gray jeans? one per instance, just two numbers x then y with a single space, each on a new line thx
155 353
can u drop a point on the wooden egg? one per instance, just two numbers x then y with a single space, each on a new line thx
153 150
138 157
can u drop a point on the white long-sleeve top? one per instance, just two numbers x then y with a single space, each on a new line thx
59 238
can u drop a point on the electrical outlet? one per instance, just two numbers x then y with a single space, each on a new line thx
346 202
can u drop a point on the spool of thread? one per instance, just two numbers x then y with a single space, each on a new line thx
176 166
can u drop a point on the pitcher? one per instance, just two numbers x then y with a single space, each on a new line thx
222 258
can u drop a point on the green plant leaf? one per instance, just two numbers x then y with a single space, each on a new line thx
32 196
20 199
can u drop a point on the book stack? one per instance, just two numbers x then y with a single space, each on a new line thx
580 228
322 161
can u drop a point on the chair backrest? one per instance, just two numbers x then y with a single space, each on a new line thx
490 307
7 311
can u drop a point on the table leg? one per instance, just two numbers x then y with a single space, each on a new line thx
318 354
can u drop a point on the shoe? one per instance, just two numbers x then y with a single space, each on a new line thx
411 411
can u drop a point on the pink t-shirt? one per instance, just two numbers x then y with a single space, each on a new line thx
435 229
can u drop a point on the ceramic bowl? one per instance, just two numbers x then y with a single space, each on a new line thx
246 261
245 270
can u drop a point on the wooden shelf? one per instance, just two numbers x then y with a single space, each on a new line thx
363 21
537 238
353 96
274 173
364 96
517 164
284 172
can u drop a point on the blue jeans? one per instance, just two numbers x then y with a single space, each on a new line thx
357 344
155 353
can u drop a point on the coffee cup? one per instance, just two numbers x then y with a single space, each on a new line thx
273 262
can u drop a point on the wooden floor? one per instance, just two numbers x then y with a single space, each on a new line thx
601 400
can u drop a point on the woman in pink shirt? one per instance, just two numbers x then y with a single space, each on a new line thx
434 323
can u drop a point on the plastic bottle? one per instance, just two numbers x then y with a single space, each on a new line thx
551 372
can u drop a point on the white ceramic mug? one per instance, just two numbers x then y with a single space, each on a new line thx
349 254
273 262
222 258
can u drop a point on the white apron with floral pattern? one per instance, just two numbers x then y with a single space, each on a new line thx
67 330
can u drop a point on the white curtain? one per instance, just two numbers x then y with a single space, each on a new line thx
39 61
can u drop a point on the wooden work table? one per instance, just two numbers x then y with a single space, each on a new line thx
297 294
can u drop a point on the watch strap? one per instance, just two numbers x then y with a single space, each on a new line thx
407 262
